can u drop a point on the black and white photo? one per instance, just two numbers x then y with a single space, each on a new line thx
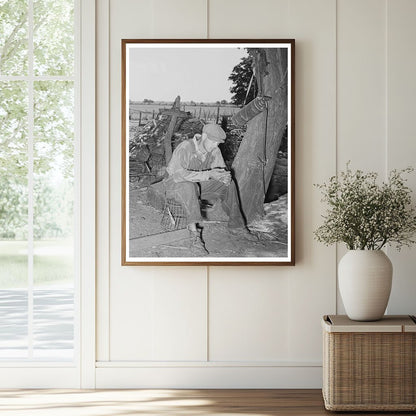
208 152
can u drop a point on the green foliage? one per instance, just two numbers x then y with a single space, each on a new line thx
13 208
13 37
365 215
53 37
241 76
13 128
52 208
13 159
53 118
54 126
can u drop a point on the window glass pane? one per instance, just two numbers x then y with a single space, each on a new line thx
53 196
54 165
53 319
13 161
14 319
53 37
13 219
13 37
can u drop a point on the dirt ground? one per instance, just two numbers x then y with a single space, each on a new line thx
149 239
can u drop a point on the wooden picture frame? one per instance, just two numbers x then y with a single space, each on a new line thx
182 204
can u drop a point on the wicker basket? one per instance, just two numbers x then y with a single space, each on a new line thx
174 216
369 366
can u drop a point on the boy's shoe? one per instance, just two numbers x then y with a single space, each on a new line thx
197 246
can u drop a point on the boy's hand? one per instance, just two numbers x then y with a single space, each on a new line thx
221 175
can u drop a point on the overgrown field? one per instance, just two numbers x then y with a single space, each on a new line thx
53 263
206 112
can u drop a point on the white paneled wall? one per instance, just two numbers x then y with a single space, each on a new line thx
401 132
242 19
361 88
165 315
254 326
311 282
361 84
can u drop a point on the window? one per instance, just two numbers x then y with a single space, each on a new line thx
38 185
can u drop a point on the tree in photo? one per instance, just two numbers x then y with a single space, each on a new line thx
256 158
242 78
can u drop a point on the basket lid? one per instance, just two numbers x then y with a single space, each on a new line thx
389 323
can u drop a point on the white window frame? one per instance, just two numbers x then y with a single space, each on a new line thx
88 195
81 371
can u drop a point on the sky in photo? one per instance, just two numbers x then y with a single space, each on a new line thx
196 74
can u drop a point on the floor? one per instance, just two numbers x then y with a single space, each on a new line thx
165 402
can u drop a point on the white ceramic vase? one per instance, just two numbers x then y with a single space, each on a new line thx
364 278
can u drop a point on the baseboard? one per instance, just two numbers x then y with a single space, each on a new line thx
39 378
210 377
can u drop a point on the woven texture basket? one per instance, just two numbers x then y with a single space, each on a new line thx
369 366
174 216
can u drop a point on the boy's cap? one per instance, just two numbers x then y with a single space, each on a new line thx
214 132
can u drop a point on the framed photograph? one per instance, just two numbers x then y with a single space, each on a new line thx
208 130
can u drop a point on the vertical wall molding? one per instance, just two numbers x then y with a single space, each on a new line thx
208 311
387 48
401 133
208 21
336 145
103 179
